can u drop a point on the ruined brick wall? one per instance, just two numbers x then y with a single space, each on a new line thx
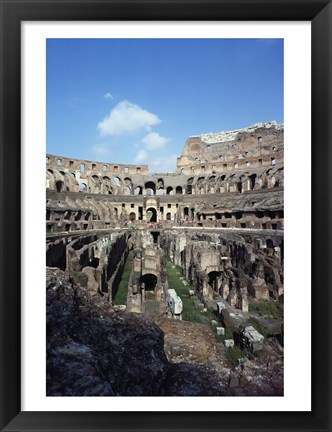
229 265
260 145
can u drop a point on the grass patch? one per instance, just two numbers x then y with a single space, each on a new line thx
122 291
190 312
233 355
267 308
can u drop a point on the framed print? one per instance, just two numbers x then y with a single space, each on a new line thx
182 62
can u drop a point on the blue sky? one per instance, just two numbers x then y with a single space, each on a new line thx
136 101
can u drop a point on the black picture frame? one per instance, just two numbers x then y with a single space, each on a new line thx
12 13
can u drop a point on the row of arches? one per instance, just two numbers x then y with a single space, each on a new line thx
66 181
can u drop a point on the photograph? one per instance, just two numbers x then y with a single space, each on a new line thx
164 217
165 174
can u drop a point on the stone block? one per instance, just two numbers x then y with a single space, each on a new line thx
175 302
220 331
229 343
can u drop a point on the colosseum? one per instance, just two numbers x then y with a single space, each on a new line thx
183 269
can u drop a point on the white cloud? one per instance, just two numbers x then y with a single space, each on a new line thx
108 95
164 164
101 150
154 141
141 157
126 118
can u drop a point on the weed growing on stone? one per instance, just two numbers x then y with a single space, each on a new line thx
268 308
122 292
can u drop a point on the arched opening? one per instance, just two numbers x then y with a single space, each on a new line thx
83 187
160 191
168 216
160 183
189 185
59 185
150 282
213 279
128 186
186 211
78 216
252 181
150 188
170 191
48 215
269 244
116 181
155 235
178 190
67 215
239 186
138 190
132 216
151 214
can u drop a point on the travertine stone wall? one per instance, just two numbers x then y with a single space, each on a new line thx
259 145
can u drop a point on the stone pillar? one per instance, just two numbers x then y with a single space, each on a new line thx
205 289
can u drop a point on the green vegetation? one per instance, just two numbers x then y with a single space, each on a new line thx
190 312
193 314
268 308
122 292
233 355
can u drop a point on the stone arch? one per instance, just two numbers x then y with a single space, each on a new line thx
150 188
170 190
59 185
150 280
83 187
269 243
178 190
213 279
190 182
67 215
160 183
151 214
117 181
138 190
128 185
